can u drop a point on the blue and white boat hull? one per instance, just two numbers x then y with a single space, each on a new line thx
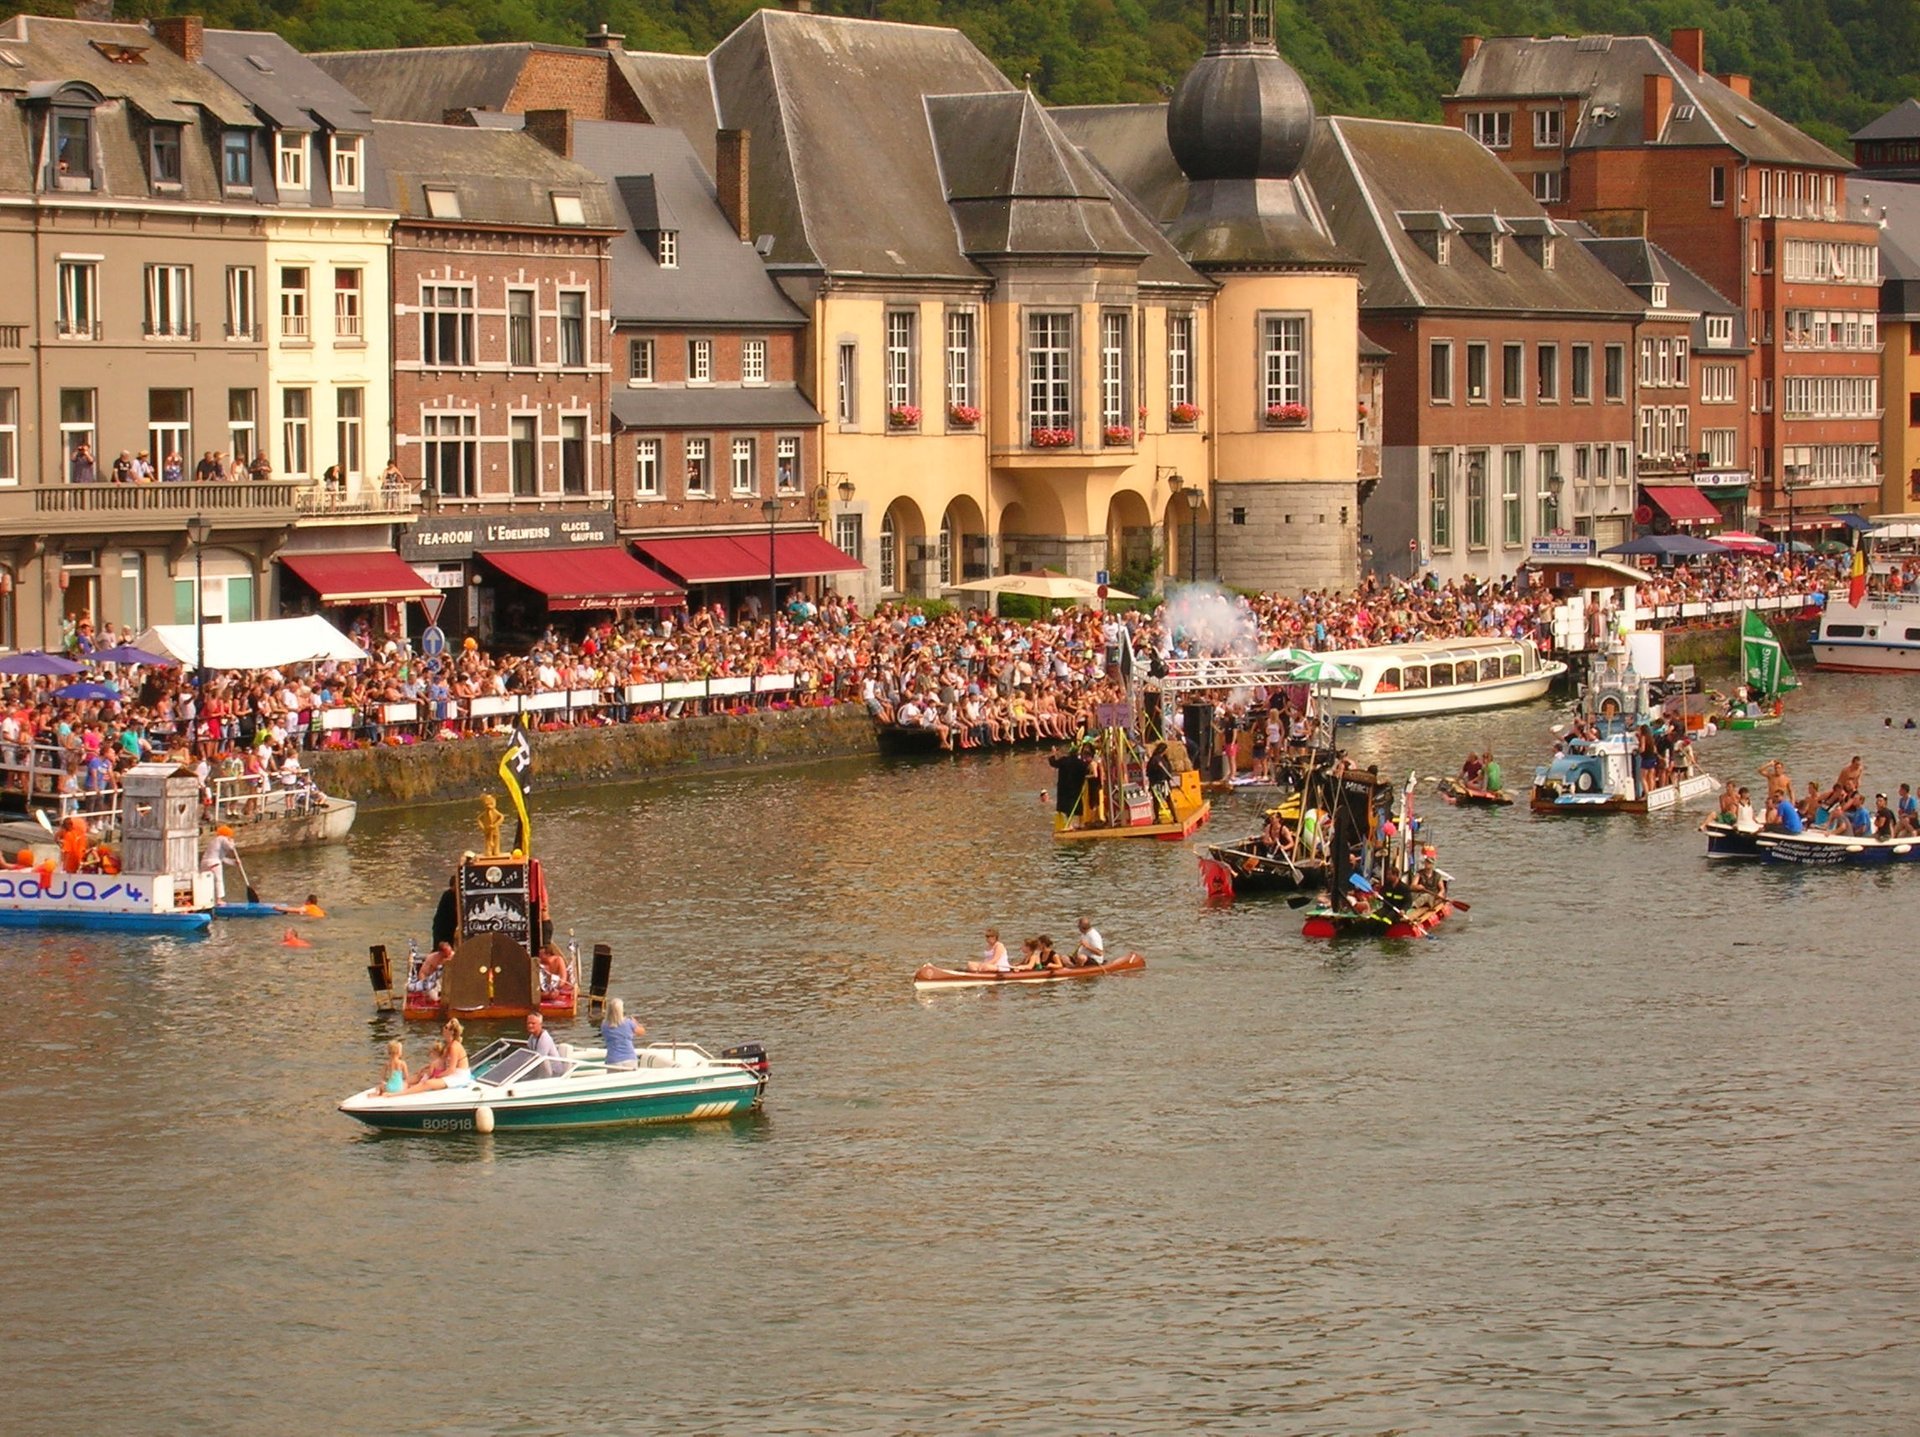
128 902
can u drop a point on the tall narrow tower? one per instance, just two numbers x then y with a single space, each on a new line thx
1285 332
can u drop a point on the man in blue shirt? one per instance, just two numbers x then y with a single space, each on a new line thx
1789 817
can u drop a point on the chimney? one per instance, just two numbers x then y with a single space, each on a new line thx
96 11
552 128
1469 47
1656 99
1741 85
612 41
180 34
799 7
1690 47
730 179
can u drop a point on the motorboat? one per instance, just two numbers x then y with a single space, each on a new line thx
517 1090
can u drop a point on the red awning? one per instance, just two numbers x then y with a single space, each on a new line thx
371 578
603 578
728 558
1682 504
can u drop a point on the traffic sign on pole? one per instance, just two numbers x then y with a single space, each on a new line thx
433 641
432 604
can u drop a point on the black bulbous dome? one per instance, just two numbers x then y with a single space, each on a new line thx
1240 115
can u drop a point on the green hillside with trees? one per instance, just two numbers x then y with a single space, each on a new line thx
1828 65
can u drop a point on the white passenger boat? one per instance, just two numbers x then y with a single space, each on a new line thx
1443 676
1878 635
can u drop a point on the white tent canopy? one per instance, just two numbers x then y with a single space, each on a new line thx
262 644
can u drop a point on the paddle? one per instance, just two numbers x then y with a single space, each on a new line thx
253 894
40 817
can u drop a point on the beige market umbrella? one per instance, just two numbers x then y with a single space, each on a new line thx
1042 584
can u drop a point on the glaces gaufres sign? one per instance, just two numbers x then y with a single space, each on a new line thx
462 536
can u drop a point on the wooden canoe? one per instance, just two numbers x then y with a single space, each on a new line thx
930 977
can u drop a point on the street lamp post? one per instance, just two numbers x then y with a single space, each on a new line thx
199 530
1192 496
771 508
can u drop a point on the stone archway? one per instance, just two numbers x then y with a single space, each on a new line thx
1132 542
905 556
1186 537
961 548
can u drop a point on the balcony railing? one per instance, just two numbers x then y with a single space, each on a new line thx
13 336
320 502
261 498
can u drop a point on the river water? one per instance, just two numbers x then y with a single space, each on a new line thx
1632 1147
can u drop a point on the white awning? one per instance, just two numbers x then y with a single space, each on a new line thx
261 644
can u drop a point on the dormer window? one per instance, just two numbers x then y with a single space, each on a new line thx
443 202
290 159
1497 251
1720 330
666 248
1658 297
72 151
1442 247
1546 253
236 160
346 164
569 210
163 155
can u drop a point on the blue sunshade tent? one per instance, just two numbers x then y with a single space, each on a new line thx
43 665
1669 546
128 654
88 690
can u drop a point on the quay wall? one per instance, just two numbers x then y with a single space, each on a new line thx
1716 650
432 772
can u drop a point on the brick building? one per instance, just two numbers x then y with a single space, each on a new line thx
1508 380
1636 138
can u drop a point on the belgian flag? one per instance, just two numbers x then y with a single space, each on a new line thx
516 772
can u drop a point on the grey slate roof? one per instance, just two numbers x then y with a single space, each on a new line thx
1212 222
1017 185
1902 122
425 83
776 406
503 177
1609 71
161 86
1899 240
659 184
1641 264
676 91
296 94
1369 172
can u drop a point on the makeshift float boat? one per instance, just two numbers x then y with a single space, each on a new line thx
931 979
1374 899
1810 849
515 1090
1412 923
1601 775
1103 792
1456 792
1769 676
156 884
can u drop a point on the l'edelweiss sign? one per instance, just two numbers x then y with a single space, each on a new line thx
459 536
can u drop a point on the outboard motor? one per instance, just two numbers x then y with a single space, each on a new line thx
751 1056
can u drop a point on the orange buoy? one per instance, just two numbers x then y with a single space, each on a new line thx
294 940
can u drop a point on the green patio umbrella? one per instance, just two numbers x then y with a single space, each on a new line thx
1324 671
1286 659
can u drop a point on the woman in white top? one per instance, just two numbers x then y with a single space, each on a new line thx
994 959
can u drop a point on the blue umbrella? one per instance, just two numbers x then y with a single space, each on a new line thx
87 690
128 654
36 662
1669 546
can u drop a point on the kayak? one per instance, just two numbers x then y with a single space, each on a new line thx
251 910
1454 791
1323 923
930 977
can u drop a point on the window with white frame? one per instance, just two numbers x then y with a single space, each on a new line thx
169 301
639 361
72 167
699 361
846 534
450 453
163 155
243 317
296 433
447 320
1476 372
293 303
1721 446
346 305
1492 128
646 468
960 363
170 426
1476 498
9 437
943 553
1549 490
1547 373
1440 371
699 477
1680 362
889 556
1717 185
242 424
1283 361
1719 331
1440 500
1614 375
1547 191
1546 129
576 468
1719 383
1580 373
521 352
900 366
349 430
846 381
77 303
666 248
786 464
746 468
573 329
290 159
1180 389
1116 355
236 160
1049 372
346 164
1513 470
1513 373
753 361
77 428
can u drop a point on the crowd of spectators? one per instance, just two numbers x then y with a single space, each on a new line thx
1024 677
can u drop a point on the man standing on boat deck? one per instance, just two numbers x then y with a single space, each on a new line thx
1091 950
540 1041
218 853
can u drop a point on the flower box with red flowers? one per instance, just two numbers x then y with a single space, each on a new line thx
1115 435
963 416
1052 438
1287 415
1184 414
904 416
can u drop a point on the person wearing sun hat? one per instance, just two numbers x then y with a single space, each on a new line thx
219 852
